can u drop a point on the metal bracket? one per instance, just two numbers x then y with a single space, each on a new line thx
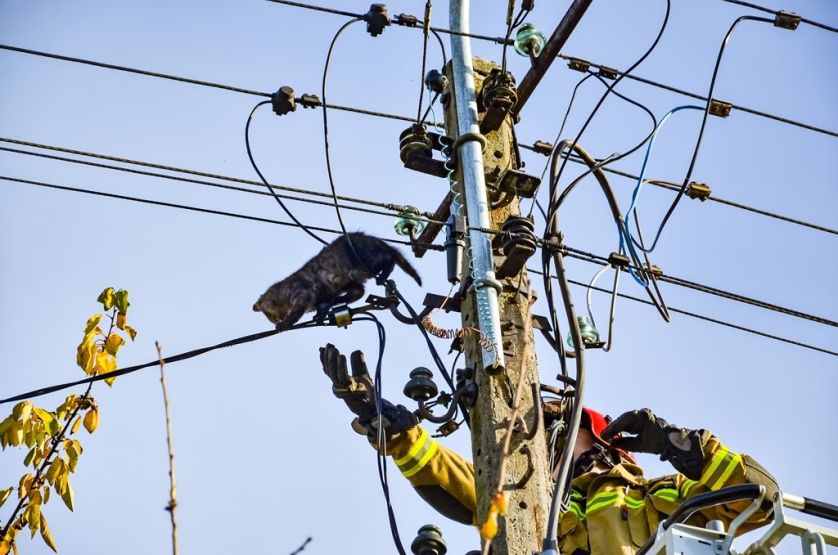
518 183
608 72
700 191
653 269
618 261
578 64
720 108
525 450
787 20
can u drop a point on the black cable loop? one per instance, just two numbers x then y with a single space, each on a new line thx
265 181
694 158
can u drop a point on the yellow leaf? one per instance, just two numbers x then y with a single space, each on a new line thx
86 354
46 494
22 411
120 320
6 424
91 420
122 303
67 496
29 456
4 494
4 547
52 471
76 425
33 511
24 485
92 324
113 343
131 331
15 434
107 298
47 535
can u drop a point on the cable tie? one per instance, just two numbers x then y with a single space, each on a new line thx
720 108
406 20
310 101
608 72
618 260
787 20
543 147
700 191
578 64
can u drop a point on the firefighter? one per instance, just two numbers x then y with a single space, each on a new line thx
613 508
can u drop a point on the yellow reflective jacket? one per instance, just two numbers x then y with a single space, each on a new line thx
610 513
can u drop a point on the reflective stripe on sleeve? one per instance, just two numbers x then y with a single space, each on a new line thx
686 487
667 493
418 455
721 467
608 498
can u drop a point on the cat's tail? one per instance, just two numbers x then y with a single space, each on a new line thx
402 263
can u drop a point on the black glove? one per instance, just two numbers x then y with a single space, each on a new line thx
679 446
394 418
356 390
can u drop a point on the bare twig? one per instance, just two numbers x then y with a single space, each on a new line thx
302 547
172 487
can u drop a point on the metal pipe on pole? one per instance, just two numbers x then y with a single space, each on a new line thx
469 152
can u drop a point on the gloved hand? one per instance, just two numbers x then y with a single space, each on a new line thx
356 390
394 419
652 434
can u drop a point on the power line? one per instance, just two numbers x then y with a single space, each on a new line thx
315 104
394 241
675 187
776 12
214 185
396 208
603 69
195 209
399 20
703 317
596 259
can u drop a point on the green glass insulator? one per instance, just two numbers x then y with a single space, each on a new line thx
589 333
528 40
407 221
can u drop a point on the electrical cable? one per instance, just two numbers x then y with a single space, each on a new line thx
396 208
315 104
396 21
614 84
571 252
694 158
429 246
329 203
381 438
611 71
631 243
775 12
425 24
265 181
156 362
675 187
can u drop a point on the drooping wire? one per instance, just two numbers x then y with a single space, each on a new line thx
694 158
265 181
616 81
381 437
641 177
510 25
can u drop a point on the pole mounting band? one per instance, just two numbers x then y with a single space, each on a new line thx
480 283
466 137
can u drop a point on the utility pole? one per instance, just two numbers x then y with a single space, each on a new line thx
526 478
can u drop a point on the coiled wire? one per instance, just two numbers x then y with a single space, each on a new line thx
460 333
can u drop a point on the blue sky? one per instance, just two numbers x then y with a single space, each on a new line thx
265 456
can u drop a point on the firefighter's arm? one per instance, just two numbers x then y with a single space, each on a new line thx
440 476
721 468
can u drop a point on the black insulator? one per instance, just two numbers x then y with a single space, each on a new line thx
455 242
429 541
377 19
421 386
415 139
499 90
283 101
436 81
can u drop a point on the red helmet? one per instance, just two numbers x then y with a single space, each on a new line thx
595 422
